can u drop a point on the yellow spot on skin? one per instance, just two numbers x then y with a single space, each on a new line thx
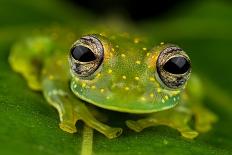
127 88
51 77
102 90
148 54
112 49
83 85
117 46
161 43
144 48
163 101
136 78
151 95
93 87
76 79
124 77
158 90
138 62
143 98
176 92
123 55
98 75
136 40
166 97
110 71
152 79
148 66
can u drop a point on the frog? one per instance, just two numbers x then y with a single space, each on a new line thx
118 72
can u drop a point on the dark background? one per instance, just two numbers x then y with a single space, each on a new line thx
136 10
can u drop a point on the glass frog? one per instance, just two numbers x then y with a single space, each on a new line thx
115 72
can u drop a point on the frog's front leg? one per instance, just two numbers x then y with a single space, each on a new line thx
71 109
177 118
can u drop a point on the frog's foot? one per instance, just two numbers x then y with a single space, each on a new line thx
78 111
71 113
89 119
203 118
71 109
171 118
68 118
108 131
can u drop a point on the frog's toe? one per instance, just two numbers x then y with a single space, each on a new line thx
204 121
134 125
114 132
190 134
203 127
68 127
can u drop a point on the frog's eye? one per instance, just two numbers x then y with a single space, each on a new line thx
86 56
83 54
173 67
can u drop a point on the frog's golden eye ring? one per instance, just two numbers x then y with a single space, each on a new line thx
86 55
173 67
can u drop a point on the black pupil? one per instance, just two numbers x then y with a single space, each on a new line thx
177 65
83 54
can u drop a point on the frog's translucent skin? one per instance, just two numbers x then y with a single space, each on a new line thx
125 82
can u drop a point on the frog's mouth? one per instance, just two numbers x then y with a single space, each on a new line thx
140 104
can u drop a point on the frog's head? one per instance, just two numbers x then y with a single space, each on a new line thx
122 74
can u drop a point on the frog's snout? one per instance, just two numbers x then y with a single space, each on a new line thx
127 88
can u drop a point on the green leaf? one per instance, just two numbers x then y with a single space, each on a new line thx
30 126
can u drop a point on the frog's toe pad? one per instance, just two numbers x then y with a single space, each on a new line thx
68 127
114 132
204 125
190 134
204 119
134 125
